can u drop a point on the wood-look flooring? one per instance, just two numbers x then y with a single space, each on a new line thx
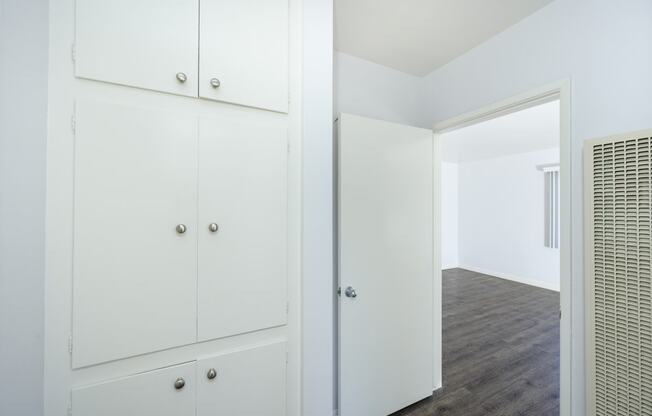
500 349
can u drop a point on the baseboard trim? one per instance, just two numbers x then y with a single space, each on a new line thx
518 279
450 266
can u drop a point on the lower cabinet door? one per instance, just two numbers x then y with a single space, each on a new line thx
169 391
250 382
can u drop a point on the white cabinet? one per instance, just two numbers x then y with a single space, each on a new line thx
244 48
134 279
243 190
246 383
141 283
169 391
150 44
168 193
237 53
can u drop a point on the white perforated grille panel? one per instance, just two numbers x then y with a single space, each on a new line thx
619 280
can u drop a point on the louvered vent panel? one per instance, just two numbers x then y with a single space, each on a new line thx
619 269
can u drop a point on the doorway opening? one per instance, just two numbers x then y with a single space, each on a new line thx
511 281
500 264
389 258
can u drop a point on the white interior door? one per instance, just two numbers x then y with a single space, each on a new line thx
386 256
135 274
243 192
149 44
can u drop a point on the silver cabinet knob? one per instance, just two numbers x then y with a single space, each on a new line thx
212 227
211 374
179 383
181 228
181 77
350 292
215 83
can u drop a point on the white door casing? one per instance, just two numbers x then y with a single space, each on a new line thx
386 254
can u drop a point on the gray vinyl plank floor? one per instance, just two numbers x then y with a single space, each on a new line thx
500 349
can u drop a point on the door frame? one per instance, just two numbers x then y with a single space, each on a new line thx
559 90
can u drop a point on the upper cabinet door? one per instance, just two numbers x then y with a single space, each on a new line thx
151 44
242 222
244 52
135 234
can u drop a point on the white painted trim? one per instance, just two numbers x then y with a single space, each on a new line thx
513 278
557 90
537 96
437 307
450 266
317 330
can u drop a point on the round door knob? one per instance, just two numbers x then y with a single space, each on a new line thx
211 374
212 227
181 228
215 83
181 77
179 383
350 292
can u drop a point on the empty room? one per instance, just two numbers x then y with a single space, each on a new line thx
325 208
501 265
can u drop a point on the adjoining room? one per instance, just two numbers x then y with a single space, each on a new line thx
500 255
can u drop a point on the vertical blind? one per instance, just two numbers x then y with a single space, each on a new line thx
551 207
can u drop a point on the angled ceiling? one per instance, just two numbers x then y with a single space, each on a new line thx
536 128
419 36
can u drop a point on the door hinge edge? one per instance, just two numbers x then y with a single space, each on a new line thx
70 343
73 52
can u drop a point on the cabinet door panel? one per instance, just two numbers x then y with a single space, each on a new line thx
151 393
244 44
247 383
134 287
243 189
142 43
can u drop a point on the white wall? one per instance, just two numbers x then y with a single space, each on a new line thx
449 215
371 90
605 48
501 219
23 108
